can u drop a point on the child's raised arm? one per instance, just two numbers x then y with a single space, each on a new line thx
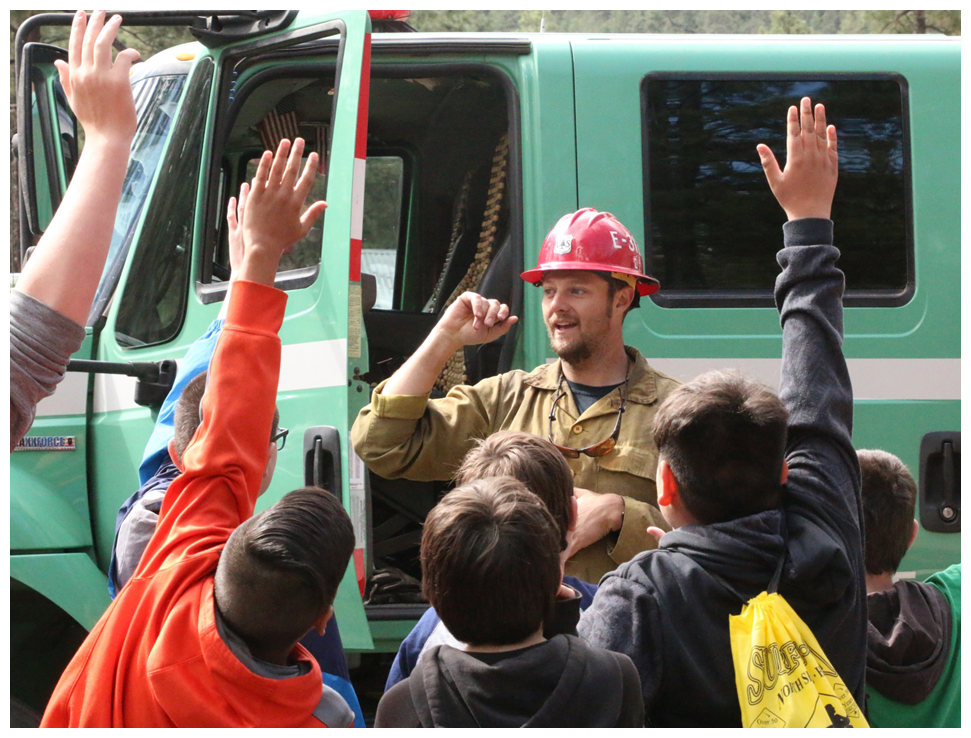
66 266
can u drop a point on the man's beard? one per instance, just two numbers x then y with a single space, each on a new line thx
585 345
575 353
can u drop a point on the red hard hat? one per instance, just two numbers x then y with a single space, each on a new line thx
592 241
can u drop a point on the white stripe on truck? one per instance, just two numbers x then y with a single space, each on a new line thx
324 364
873 379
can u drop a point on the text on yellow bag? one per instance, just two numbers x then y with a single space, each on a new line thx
784 679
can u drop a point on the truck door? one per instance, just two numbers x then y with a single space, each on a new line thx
666 136
176 278
163 284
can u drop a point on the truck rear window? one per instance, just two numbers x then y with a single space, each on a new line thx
710 219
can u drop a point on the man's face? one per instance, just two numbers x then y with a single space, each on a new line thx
578 313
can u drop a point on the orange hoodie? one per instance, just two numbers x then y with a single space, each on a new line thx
155 658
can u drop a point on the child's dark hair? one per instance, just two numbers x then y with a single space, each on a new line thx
187 418
533 461
280 570
724 437
889 498
491 561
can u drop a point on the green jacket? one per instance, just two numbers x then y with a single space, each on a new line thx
941 708
413 437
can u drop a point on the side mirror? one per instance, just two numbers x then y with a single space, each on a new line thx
47 136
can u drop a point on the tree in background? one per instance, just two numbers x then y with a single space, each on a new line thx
690 21
151 40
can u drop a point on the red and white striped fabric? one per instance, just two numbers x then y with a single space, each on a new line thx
278 124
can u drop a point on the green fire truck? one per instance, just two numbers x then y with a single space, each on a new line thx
446 158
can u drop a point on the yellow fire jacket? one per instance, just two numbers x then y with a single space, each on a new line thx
413 437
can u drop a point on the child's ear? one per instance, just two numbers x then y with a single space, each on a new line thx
574 512
175 457
913 536
667 487
785 472
320 625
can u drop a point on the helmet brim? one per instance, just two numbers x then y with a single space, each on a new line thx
645 285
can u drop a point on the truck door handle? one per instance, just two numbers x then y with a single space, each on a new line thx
322 459
940 482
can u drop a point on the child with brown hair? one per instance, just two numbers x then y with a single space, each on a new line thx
206 631
753 483
536 463
491 568
913 661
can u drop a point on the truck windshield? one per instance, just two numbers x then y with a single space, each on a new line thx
156 100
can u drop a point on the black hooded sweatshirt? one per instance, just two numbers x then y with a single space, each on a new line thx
668 608
561 682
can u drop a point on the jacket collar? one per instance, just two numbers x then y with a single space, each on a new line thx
641 387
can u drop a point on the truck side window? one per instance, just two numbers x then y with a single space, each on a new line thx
384 184
153 304
156 100
711 219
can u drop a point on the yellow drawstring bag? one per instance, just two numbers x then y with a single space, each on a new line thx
784 679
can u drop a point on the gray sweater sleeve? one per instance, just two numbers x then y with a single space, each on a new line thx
41 343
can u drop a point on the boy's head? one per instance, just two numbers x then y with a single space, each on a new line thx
187 422
723 439
491 561
279 572
533 461
889 497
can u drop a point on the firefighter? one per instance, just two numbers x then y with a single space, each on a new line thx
596 402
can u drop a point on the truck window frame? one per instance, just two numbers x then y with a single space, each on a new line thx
741 298
209 291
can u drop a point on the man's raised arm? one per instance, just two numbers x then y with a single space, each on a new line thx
470 320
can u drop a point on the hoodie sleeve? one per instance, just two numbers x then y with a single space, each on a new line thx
824 474
632 706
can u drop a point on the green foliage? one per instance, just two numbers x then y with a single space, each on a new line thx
788 21
690 21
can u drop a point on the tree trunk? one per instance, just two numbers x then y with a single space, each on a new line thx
920 21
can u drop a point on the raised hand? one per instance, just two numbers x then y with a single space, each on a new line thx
473 319
805 188
65 269
97 89
272 221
